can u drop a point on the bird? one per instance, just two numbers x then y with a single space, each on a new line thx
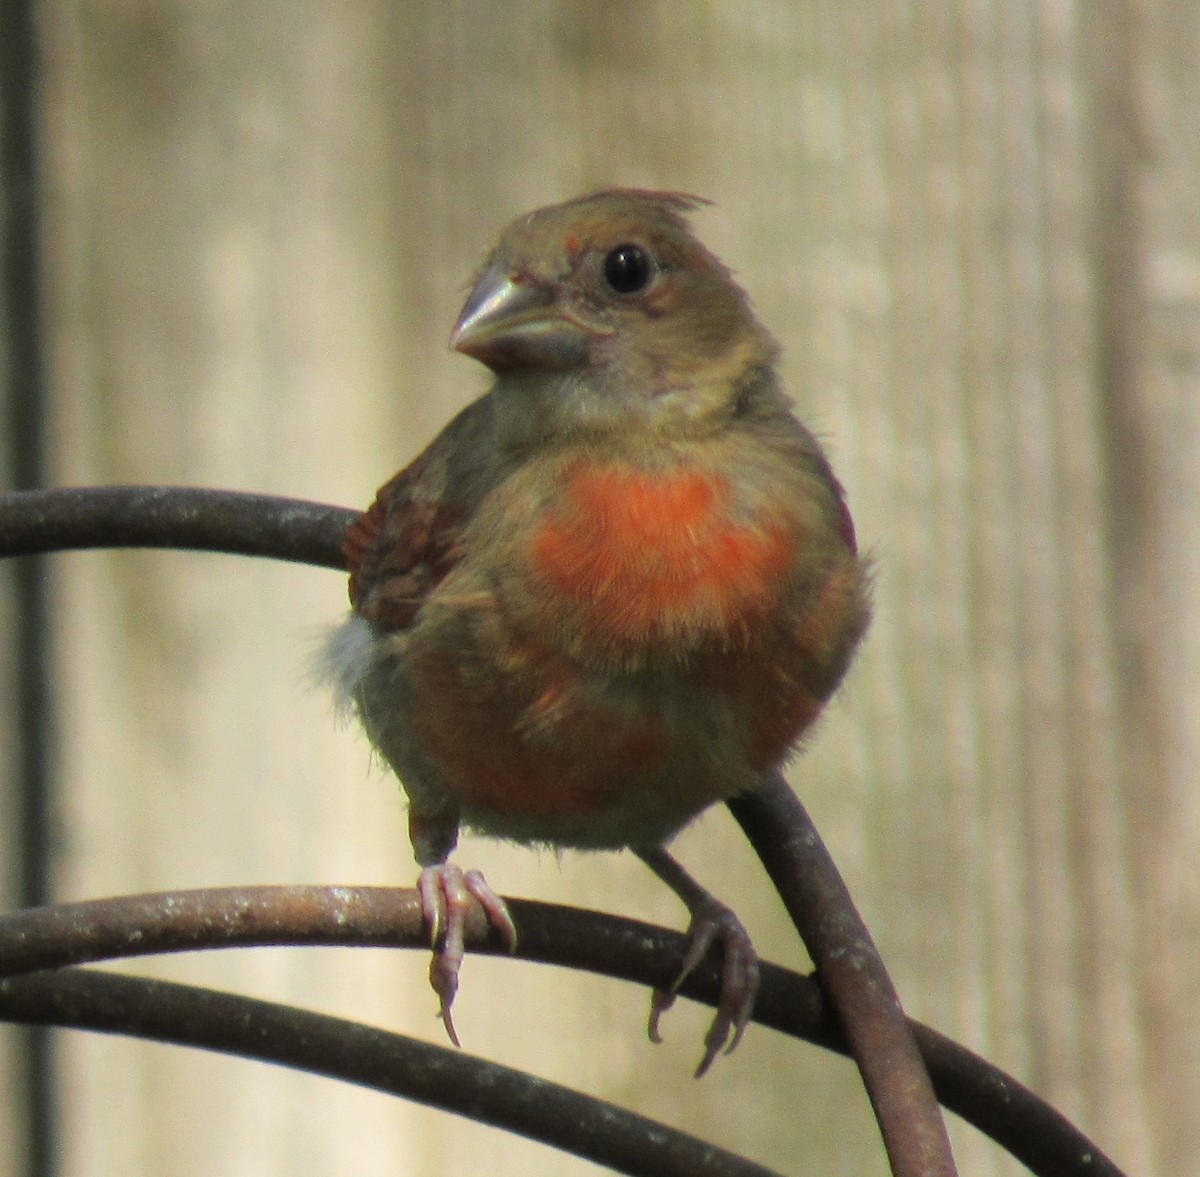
616 589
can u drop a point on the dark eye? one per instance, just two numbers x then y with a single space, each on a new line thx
628 269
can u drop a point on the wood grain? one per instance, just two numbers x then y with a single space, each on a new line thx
975 229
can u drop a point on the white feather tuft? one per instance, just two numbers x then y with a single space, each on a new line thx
343 659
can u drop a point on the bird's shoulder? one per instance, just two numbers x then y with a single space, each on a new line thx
767 418
410 538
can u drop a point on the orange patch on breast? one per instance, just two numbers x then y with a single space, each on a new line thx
650 554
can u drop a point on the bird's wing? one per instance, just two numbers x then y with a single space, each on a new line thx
401 548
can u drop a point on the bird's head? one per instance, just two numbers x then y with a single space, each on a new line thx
609 310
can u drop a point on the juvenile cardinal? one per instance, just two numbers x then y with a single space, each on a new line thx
615 589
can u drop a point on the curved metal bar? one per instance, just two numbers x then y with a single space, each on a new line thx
140 925
849 965
172 517
455 1082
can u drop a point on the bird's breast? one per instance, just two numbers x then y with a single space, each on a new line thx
649 556
640 642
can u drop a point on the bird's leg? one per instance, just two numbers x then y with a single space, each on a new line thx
711 921
446 892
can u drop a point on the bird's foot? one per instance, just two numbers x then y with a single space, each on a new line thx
446 894
713 921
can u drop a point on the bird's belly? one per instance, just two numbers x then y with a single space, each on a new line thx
544 750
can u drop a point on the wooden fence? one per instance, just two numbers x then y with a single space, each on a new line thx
976 229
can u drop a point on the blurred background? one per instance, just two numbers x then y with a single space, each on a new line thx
975 228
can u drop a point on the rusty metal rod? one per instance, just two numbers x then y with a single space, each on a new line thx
140 925
451 1080
853 973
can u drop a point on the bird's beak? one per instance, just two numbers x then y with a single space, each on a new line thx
511 321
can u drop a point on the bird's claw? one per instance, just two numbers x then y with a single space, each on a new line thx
446 893
714 922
